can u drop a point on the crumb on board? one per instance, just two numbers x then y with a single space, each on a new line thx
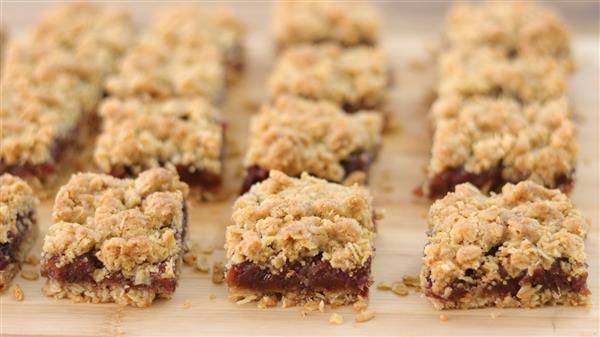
365 315
30 275
212 296
190 258
17 292
443 317
399 289
202 264
494 314
411 281
187 304
360 305
218 272
384 285
32 260
336 319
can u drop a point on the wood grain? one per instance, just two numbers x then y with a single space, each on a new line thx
399 243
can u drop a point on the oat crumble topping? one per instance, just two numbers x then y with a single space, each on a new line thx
130 225
140 134
355 77
16 198
284 219
345 23
534 141
296 135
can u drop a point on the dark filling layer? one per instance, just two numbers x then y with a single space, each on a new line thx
207 180
8 250
554 279
360 160
81 270
313 274
490 180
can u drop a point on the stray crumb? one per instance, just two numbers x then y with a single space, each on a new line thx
31 260
336 319
360 305
364 316
246 299
187 304
411 281
17 292
218 274
190 258
494 314
267 302
384 285
379 214
202 264
30 275
212 296
399 288
443 317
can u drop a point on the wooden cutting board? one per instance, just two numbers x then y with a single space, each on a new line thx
401 234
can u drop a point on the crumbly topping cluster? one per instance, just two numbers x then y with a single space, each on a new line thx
346 76
519 230
53 77
296 135
130 225
139 134
515 28
153 70
486 71
348 24
534 141
195 28
284 219
16 198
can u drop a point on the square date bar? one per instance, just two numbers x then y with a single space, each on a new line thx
116 240
299 240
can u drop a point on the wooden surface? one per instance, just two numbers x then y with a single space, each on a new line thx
399 243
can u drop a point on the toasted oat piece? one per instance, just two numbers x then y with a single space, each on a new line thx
523 247
353 78
344 23
18 226
314 241
296 135
116 240
185 133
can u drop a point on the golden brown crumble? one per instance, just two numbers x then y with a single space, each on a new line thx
443 317
521 28
352 77
32 260
30 275
296 135
17 292
218 272
140 134
384 285
399 289
193 27
336 318
284 219
411 281
130 225
16 199
202 264
524 228
346 23
484 71
152 70
364 316
534 141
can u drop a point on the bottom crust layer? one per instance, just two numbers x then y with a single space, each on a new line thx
11 269
295 298
102 293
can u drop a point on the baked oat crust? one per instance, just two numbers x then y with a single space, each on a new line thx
296 135
353 78
478 243
142 134
284 219
534 141
349 24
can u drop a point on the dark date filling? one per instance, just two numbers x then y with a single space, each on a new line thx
81 269
357 161
8 250
554 279
310 275
490 180
207 180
